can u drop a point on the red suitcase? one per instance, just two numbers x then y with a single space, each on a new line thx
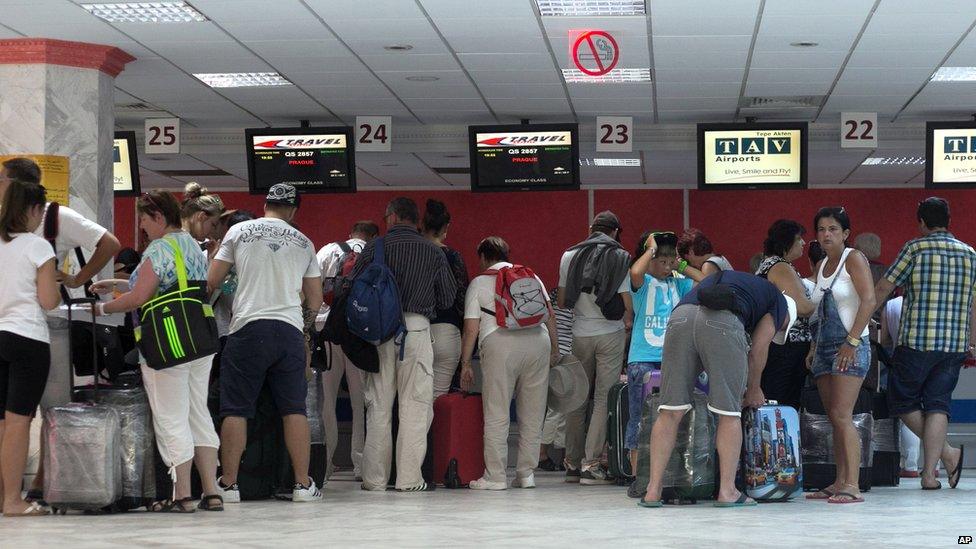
458 433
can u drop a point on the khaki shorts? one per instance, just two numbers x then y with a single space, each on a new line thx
697 339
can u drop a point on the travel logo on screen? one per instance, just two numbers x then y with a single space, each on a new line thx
292 142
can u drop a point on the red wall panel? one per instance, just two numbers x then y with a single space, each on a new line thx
641 210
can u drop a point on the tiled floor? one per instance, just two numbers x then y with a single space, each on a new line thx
553 515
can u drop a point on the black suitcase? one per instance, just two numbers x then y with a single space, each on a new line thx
816 437
618 414
886 468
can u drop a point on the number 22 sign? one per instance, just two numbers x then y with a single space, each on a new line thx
162 136
374 133
859 130
614 134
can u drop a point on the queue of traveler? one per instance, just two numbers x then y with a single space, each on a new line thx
675 306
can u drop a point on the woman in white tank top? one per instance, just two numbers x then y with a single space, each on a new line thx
841 352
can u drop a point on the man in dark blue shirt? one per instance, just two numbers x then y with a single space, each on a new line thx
708 331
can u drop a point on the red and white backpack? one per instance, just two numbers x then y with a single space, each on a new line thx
520 300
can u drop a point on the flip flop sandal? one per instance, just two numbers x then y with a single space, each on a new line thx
938 486
956 474
33 510
850 498
650 504
743 501
822 494
170 506
211 503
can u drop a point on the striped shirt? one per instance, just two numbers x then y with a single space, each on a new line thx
564 326
938 274
420 268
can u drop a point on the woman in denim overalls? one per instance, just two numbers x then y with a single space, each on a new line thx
841 353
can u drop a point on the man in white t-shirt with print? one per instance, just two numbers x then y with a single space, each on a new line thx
99 246
593 281
330 258
276 267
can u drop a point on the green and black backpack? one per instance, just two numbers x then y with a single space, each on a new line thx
177 326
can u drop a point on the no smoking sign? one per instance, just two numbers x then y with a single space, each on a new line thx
594 52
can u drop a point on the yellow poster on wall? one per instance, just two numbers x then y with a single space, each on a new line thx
54 174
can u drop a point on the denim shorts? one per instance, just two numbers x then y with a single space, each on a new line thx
635 399
825 360
262 350
922 380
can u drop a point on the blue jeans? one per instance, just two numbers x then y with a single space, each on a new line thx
635 399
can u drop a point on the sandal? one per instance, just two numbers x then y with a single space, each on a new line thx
33 510
826 493
743 501
211 503
848 498
170 506
956 473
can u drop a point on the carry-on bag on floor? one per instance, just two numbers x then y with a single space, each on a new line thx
886 467
458 433
82 457
771 465
618 414
318 457
138 442
691 472
817 440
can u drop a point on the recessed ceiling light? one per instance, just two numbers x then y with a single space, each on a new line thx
611 162
242 79
955 74
146 12
398 47
590 8
804 44
616 76
455 156
894 161
389 164
423 78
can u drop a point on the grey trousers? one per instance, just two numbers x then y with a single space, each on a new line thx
603 359
514 363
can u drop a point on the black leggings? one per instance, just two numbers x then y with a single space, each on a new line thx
785 373
24 364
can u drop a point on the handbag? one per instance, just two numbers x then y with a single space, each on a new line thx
178 325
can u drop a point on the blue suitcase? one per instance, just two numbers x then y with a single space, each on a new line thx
772 467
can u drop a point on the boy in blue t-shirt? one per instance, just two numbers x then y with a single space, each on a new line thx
656 291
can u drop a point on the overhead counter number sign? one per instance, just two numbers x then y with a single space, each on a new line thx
374 133
859 130
162 136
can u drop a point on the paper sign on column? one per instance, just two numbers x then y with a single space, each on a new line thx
374 133
614 134
55 175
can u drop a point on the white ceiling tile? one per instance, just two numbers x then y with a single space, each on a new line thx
524 27
693 58
677 104
670 22
922 41
609 91
296 68
895 59
698 75
788 74
516 77
530 106
351 78
496 8
698 89
456 117
332 10
494 61
397 30
374 46
315 47
694 116
798 59
421 62
427 104
521 90
786 88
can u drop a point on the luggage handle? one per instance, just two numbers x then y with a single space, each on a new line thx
71 384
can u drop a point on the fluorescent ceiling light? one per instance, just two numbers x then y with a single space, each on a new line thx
145 12
242 79
616 76
611 162
894 161
955 74
590 8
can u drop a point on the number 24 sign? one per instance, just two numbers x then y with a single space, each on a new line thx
374 133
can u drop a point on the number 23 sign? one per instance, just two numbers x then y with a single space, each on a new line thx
614 134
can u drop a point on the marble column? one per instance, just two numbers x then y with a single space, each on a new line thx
56 97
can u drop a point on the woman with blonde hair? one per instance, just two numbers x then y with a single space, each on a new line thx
200 212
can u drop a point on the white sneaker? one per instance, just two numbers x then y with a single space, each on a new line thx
302 494
524 482
231 494
483 484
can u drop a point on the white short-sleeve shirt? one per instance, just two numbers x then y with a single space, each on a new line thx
20 311
481 296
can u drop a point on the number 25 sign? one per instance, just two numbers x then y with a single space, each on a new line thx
859 130
162 136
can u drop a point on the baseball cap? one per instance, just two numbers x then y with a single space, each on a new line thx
607 220
284 194
780 337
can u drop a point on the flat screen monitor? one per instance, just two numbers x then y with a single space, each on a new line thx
125 164
524 157
752 156
950 155
313 160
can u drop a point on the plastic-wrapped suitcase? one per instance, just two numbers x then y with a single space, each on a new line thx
691 472
771 466
137 442
82 457
817 448
458 434
618 414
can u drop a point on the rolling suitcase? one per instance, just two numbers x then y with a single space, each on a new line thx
886 467
618 414
691 472
771 465
82 457
817 448
458 433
